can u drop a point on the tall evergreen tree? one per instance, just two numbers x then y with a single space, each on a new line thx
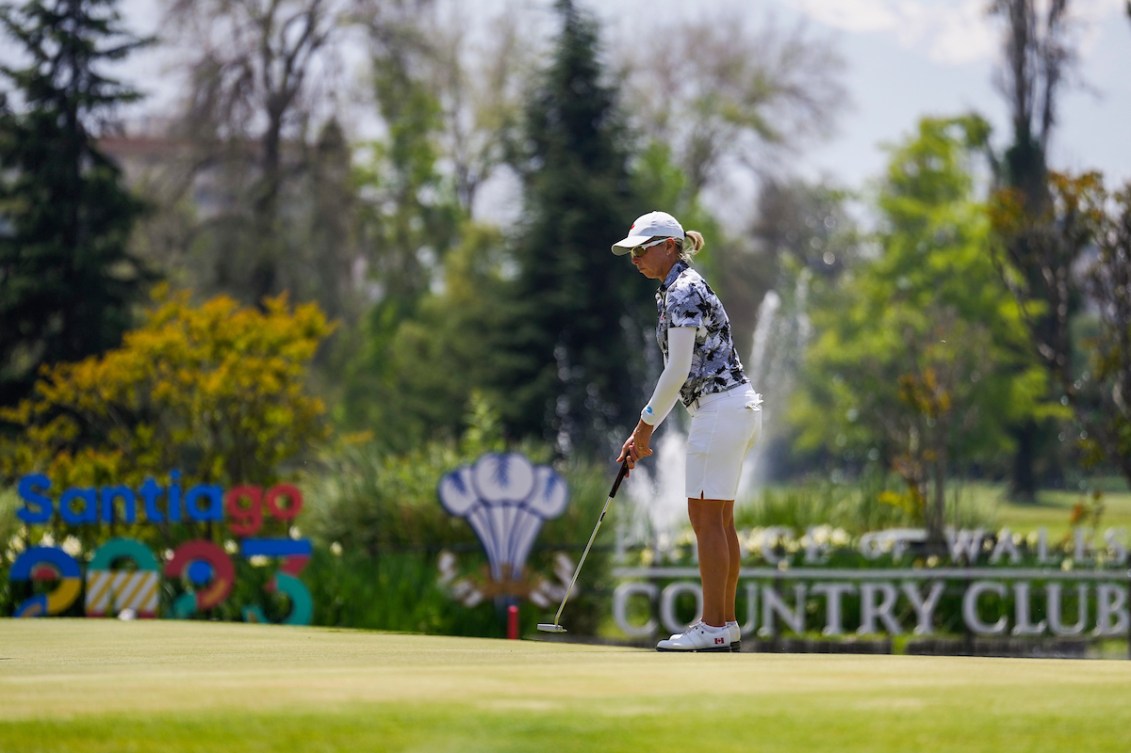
67 281
571 358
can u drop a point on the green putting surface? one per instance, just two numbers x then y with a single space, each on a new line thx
167 686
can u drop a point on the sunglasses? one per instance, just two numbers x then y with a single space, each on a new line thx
642 248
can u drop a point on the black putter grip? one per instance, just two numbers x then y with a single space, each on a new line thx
620 477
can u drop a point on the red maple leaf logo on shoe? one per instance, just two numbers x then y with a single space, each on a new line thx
720 641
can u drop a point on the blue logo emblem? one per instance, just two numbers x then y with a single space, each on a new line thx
505 499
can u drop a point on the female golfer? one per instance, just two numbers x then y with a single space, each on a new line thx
702 369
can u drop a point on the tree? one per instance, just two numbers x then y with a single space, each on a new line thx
477 81
722 94
1106 403
67 281
914 360
409 219
1084 221
326 209
572 365
805 241
438 362
256 96
1037 58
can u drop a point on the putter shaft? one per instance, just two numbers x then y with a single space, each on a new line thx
577 571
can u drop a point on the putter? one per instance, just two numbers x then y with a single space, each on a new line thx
555 626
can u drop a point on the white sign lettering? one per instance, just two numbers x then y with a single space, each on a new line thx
993 601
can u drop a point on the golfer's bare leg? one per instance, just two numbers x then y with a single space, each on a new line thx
735 562
707 516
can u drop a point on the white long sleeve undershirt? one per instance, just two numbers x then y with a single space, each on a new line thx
681 344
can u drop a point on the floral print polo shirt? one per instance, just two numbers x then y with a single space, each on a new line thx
686 300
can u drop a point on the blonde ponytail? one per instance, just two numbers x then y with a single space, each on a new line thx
692 244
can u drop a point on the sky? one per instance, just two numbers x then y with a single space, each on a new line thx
904 59
909 58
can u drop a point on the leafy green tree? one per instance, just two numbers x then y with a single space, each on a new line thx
1085 221
67 280
438 363
915 360
1106 403
409 219
572 366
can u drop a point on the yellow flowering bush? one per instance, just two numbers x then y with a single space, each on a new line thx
217 391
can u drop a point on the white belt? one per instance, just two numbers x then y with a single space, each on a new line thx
704 400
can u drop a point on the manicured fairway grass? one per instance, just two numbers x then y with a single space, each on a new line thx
1052 509
167 687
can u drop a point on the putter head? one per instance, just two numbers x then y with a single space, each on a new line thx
550 627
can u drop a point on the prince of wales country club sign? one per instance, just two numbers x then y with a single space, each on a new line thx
505 499
123 576
985 584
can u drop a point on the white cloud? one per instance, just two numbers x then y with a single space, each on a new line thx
852 15
947 32
960 36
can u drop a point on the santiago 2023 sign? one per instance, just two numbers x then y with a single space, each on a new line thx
204 566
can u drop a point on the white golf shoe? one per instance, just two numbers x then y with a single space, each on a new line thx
698 637
733 629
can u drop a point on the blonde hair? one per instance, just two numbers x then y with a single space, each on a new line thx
692 244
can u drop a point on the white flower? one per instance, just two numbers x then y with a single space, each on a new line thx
336 549
16 545
754 539
259 560
231 547
72 546
820 535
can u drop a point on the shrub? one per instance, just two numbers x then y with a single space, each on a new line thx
217 392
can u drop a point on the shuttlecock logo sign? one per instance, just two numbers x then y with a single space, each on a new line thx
505 499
